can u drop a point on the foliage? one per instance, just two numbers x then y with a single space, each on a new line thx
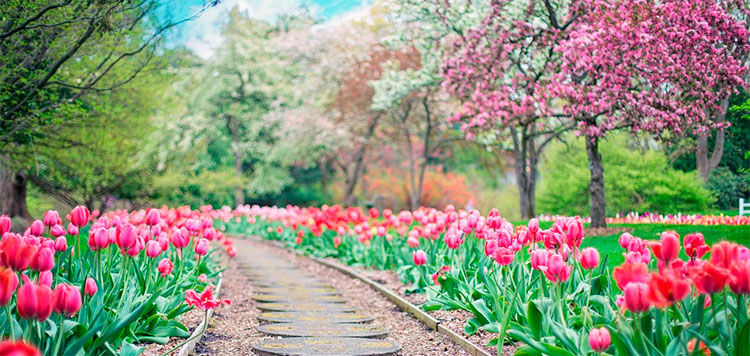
728 187
440 188
635 181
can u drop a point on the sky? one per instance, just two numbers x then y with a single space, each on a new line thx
203 35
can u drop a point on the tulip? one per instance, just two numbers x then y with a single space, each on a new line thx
15 253
669 247
180 238
153 249
34 301
201 248
79 216
667 288
36 228
556 270
636 297
57 231
336 241
202 278
125 236
739 279
711 278
724 254
66 300
52 218
4 224
72 229
205 300
232 251
420 257
90 287
504 256
137 248
589 258
165 267
61 244
575 232
152 217
628 273
625 239
539 258
163 242
533 226
695 245
98 239
412 241
44 260
8 285
599 339
45 278
18 348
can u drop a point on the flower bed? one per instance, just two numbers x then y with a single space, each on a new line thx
536 286
127 283
667 219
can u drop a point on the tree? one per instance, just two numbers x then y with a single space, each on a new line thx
653 66
501 70
52 53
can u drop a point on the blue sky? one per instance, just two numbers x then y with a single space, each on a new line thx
202 35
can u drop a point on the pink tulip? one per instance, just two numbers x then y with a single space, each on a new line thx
202 278
636 297
44 260
669 247
556 270
165 267
34 301
153 249
180 238
4 224
599 339
57 231
420 257
232 251
589 258
61 244
72 229
201 248
539 258
66 300
8 285
79 216
36 228
152 217
90 287
98 239
52 218
504 256
15 253
45 278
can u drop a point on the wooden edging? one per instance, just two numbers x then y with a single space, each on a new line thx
402 303
188 348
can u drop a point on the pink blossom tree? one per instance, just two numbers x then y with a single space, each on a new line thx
661 67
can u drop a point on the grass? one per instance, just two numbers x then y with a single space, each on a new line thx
610 246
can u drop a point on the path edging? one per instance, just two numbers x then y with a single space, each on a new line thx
402 303
189 347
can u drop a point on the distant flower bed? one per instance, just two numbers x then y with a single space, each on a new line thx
536 286
124 284
668 219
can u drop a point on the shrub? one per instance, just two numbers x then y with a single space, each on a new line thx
438 190
728 187
635 180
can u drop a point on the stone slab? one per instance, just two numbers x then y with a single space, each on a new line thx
322 330
290 297
318 346
306 307
313 317
286 284
297 291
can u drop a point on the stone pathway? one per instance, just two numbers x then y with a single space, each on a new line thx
308 316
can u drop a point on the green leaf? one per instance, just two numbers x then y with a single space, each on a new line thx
742 342
527 350
128 349
480 308
534 319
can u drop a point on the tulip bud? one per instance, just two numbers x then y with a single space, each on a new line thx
66 300
79 216
90 287
420 257
231 251
165 267
336 241
202 278
201 248
52 218
599 339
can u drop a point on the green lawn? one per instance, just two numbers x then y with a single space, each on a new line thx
609 245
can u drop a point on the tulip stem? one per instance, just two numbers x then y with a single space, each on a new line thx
58 337
726 317
10 321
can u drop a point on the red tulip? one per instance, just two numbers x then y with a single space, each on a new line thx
34 301
420 257
201 248
15 253
44 260
636 297
628 273
739 279
374 213
4 224
666 288
205 300
18 348
52 218
90 287
152 217
599 339
165 267
66 300
336 241
8 285
232 251
79 216
668 248
695 245
724 254
711 278
589 258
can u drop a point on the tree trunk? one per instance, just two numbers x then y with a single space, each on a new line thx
703 162
525 155
14 192
352 177
233 125
597 207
